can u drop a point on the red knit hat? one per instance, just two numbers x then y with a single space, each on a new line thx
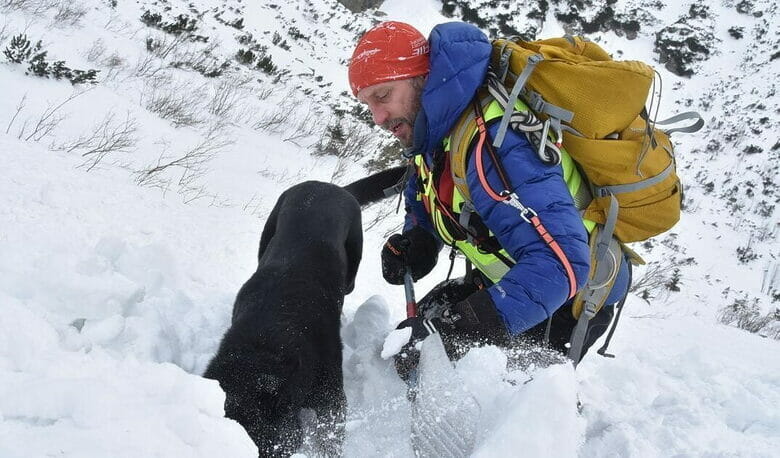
388 52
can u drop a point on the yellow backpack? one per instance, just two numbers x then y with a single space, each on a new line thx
595 107
572 95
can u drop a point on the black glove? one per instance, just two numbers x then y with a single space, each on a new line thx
416 248
477 317
407 359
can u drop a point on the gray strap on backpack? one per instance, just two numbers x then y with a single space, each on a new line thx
465 216
604 191
503 61
608 258
510 105
537 103
698 124
605 236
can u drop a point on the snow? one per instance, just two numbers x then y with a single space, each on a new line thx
395 341
114 296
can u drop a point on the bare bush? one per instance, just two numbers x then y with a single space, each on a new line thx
381 215
201 60
388 154
265 91
96 51
305 126
115 23
657 280
4 33
148 67
68 13
178 104
19 109
275 120
33 7
191 164
352 142
164 45
254 206
47 121
340 169
227 95
359 141
109 136
748 316
283 177
114 63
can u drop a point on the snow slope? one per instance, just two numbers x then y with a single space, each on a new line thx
153 280
114 296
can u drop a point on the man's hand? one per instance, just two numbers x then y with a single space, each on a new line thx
421 327
407 359
477 316
416 249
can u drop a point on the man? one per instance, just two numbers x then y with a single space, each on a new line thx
418 89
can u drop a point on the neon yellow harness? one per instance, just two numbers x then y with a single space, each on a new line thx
489 264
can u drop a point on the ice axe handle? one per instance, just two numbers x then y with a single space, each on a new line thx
411 304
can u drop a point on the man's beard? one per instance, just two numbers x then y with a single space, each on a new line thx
388 125
410 117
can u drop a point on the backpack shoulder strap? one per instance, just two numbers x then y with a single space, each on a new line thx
460 143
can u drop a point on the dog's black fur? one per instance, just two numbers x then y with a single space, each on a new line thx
282 352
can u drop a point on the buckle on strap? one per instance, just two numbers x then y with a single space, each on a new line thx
511 199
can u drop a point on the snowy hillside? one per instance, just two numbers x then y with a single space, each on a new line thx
131 210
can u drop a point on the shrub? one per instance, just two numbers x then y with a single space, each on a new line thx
179 104
181 25
108 137
20 50
748 316
69 13
267 65
277 41
245 56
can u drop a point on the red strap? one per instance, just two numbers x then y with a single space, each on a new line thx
537 223
550 241
480 167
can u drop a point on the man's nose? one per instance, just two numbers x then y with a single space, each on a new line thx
379 115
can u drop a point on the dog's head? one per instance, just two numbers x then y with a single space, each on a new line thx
255 396
317 212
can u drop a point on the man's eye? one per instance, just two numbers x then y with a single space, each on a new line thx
383 97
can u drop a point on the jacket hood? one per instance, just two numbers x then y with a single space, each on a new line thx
460 54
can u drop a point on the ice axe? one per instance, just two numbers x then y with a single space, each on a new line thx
444 414
411 304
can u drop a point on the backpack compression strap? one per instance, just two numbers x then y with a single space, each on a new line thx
510 198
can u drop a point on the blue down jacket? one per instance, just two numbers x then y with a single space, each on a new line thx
537 285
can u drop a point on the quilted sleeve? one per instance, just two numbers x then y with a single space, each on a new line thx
538 284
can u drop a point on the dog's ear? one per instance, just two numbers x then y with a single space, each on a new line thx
270 228
354 249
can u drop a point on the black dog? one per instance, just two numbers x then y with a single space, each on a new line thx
282 353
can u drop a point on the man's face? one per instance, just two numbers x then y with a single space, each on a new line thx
394 106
